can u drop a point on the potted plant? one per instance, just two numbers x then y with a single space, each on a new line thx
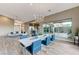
76 36
77 32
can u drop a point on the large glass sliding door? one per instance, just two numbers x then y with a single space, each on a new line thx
63 29
48 28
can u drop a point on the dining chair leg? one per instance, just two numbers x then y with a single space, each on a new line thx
74 41
78 42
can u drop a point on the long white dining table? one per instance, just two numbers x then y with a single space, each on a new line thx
28 41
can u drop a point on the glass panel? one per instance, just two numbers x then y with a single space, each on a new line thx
63 28
48 28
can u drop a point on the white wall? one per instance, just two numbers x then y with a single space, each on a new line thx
6 25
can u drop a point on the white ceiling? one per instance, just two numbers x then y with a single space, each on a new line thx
30 11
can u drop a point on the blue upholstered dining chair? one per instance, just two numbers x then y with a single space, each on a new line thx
23 36
47 40
36 46
52 37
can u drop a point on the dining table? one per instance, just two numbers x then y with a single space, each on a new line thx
28 41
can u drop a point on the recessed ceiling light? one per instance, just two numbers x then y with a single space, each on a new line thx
31 4
49 10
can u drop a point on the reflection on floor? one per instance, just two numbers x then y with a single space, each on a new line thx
11 46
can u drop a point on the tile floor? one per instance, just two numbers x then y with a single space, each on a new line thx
11 46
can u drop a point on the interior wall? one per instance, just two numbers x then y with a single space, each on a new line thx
71 13
26 26
6 25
